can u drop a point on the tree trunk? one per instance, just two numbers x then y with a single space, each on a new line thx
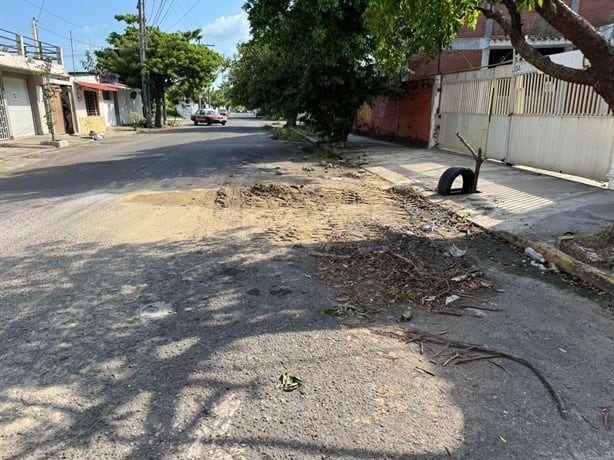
290 119
164 114
158 102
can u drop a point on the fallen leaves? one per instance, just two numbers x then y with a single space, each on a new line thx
290 382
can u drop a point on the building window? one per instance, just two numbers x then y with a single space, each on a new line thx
500 56
91 103
106 95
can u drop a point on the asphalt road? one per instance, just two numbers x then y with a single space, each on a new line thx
72 181
113 346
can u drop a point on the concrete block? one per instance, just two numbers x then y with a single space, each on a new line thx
56 144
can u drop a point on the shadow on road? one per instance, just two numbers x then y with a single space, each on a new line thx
147 351
115 170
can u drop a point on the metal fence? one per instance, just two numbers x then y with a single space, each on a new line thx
13 43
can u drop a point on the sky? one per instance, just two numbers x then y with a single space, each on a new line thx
223 22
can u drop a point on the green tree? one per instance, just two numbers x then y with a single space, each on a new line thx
264 78
307 56
403 27
89 63
172 58
220 96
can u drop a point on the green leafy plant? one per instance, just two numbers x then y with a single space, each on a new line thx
323 155
396 294
359 311
290 134
136 120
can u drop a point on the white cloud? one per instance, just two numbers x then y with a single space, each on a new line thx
224 27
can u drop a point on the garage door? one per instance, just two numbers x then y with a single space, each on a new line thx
19 108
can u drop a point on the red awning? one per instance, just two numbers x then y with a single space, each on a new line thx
87 84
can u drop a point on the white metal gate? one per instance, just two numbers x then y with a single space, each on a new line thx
530 119
19 106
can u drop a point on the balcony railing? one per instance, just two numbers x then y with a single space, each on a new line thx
13 43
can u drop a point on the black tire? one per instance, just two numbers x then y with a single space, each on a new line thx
444 187
223 123
208 122
195 123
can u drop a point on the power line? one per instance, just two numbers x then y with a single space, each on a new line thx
52 14
170 6
65 37
185 14
156 16
41 10
153 7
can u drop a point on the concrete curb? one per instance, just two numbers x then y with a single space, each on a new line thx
564 262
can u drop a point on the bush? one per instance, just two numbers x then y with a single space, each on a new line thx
136 120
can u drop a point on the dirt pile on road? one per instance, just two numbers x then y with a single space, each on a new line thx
378 246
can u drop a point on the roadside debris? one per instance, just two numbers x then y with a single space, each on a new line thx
155 310
478 353
605 414
398 268
455 251
96 136
472 274
452 298
427 227
533 254
539 266
290 382
406 316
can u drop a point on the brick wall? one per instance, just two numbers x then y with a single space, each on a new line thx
415 112
448 62
411 113
597 12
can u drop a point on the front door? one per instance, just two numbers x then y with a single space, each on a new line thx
58 112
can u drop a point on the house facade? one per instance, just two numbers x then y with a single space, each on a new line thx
22 111
102 101
81 102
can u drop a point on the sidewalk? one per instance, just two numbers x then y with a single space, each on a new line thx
20 152
521 206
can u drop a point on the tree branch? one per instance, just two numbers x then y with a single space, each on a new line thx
575 28
513 28
408 334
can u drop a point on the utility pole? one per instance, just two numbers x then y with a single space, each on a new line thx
37 44
142 55
72 53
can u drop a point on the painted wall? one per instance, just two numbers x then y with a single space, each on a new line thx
97 124
128 104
